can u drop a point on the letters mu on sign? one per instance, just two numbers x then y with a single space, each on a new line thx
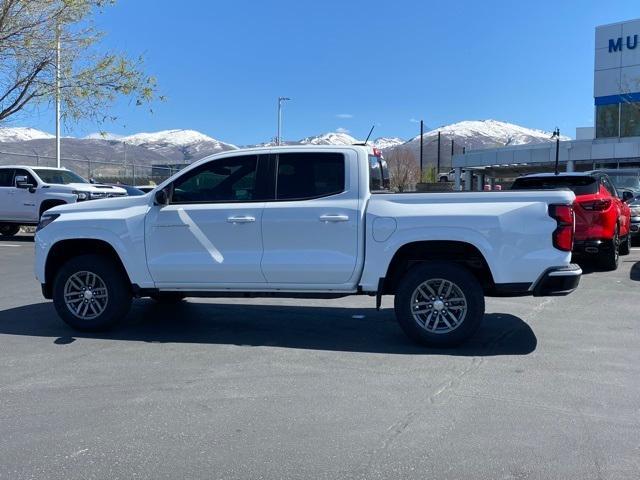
617 44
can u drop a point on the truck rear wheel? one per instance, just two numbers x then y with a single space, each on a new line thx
9 229
91 293
439 304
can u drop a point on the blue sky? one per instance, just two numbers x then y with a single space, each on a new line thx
350 64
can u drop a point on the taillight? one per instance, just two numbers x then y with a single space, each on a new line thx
563 234
596 205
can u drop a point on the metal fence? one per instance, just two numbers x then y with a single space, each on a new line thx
99 170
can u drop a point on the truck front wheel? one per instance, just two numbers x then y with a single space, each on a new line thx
439 304
91 293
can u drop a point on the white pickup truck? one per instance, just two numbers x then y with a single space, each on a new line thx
27 192
307 221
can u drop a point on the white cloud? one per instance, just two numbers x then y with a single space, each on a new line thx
342 130
344 115
413 120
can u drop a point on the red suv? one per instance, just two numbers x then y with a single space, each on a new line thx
602 217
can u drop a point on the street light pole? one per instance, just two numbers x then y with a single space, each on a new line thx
279 135
421 148
556 135
58 95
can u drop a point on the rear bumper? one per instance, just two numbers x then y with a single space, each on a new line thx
591 246
558 281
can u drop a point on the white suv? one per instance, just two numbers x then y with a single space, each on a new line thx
27 192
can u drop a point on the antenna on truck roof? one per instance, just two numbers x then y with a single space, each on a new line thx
370 132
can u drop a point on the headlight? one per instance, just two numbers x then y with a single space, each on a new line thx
46 219
635 211
82 195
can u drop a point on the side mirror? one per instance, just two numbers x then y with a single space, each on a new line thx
22 182
627 196
161 197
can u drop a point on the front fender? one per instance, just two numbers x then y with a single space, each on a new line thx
125 236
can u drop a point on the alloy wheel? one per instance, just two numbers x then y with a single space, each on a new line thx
85 295
438 306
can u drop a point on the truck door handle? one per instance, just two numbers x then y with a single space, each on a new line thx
241 219
334 218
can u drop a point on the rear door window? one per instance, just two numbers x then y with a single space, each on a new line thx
6 177
580 185
303 176
606 183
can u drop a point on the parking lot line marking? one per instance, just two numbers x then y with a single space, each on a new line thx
9 245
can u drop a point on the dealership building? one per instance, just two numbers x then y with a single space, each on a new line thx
613 142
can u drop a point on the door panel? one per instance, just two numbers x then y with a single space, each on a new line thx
24 201
314 240
301 247
7 197
211 233
208 244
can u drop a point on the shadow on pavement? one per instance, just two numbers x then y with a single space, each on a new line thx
17 238
304 327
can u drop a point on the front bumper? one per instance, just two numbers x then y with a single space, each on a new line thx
558 281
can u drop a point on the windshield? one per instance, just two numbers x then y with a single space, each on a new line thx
580 185
59 177
626 181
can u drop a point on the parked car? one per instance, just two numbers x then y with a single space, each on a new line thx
307 222
603 219
145 188
623 178
634 207
131 190
27 192
628 179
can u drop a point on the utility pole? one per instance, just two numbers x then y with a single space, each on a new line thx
452 153
58 95
556 135
438 169
279 135
421 148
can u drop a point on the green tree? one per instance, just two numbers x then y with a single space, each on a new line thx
90 78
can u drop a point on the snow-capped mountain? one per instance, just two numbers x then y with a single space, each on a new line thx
329 138
103 136
489 133
386 142
168 137
473 135
21 134
190 144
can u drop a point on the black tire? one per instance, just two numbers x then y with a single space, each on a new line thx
168 297
609 259
9 229
625 245
115 282
466 283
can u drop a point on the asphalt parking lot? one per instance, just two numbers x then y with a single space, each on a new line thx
549 388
